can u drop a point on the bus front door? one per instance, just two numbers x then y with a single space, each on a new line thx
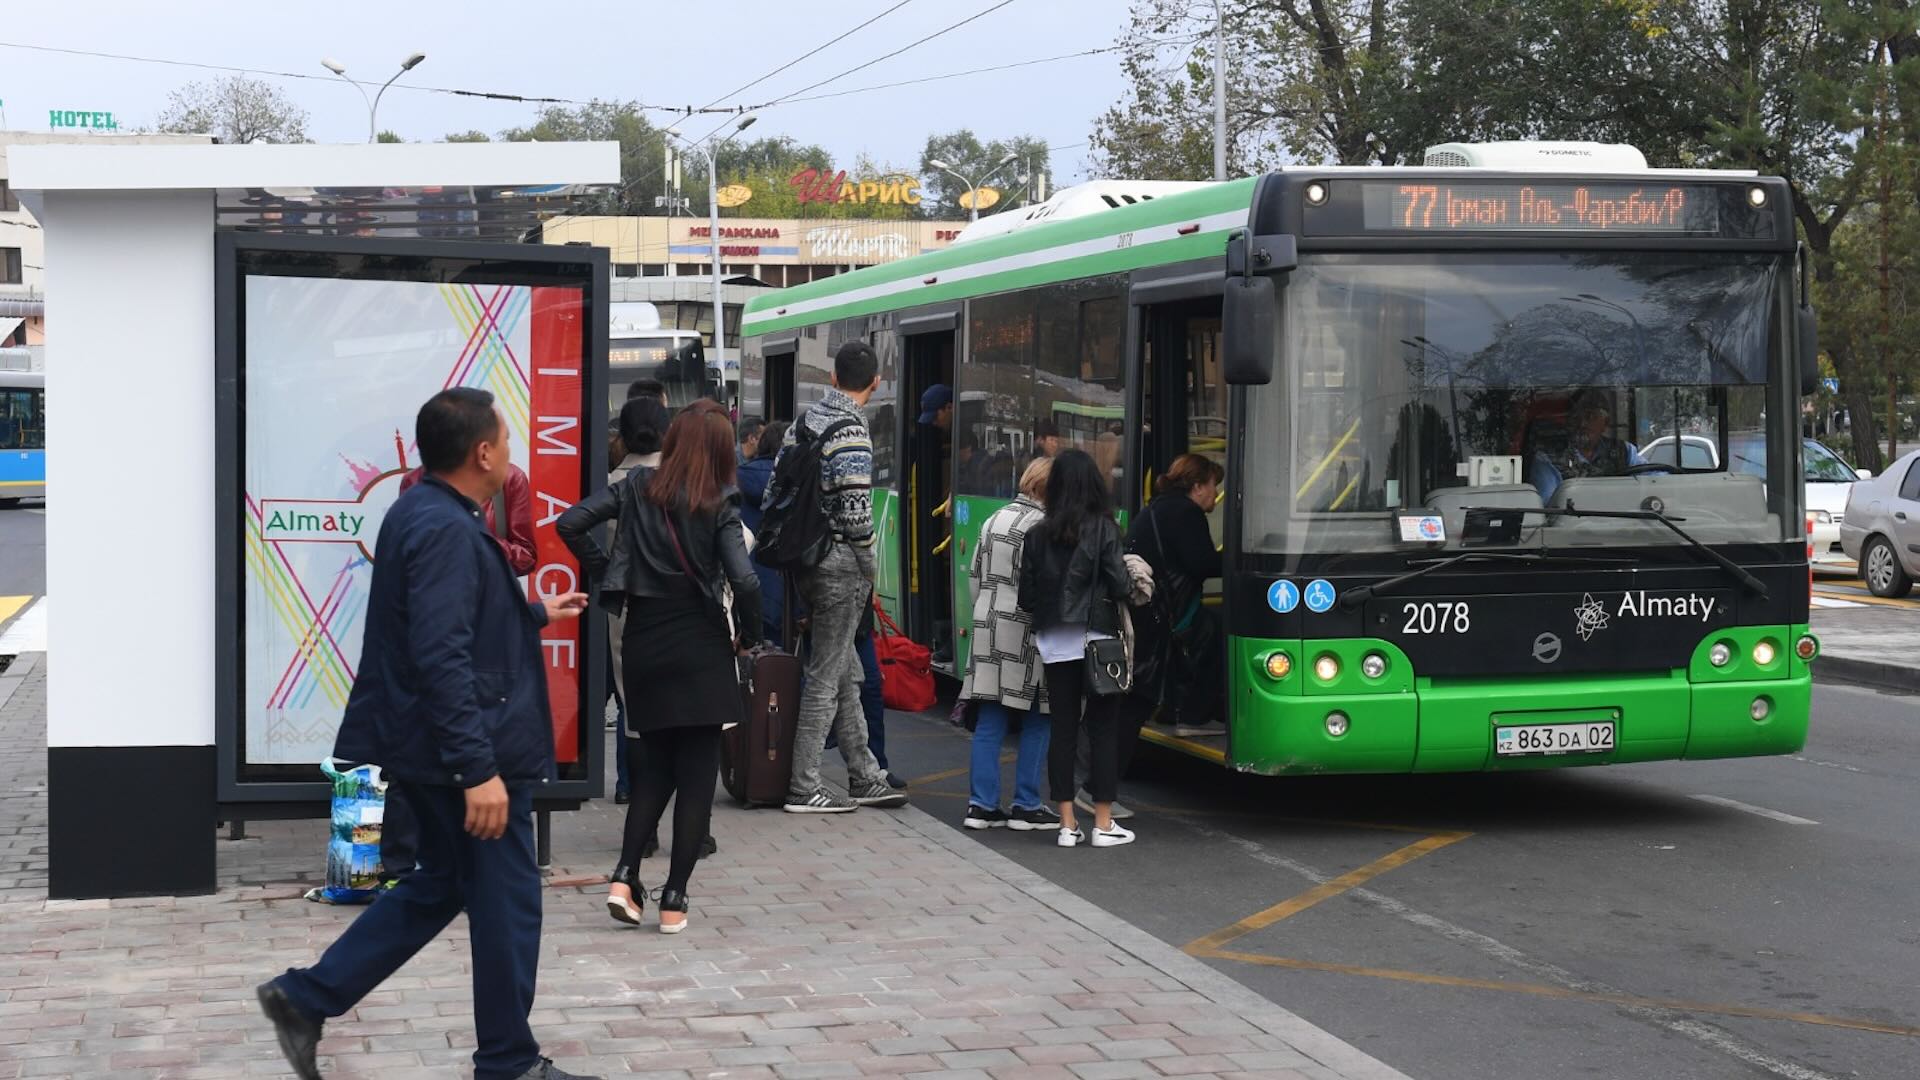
925 478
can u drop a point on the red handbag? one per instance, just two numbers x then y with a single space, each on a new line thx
906 666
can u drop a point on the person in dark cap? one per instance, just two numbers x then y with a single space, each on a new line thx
936 406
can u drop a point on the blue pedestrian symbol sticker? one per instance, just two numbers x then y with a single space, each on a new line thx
963 513
1320 595
1283 596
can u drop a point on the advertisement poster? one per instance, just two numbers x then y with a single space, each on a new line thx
335 371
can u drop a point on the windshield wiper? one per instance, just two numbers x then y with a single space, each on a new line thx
1353 598
1740 573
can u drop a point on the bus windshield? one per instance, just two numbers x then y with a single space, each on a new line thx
1427 384
679 364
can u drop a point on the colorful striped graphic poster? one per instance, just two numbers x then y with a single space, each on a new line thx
335 371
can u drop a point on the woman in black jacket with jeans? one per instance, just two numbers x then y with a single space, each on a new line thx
679 536
1071 581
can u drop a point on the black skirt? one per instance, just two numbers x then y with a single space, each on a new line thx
680 668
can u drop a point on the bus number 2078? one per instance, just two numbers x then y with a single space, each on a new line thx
1446 617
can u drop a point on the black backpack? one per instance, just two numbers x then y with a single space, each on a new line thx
795 531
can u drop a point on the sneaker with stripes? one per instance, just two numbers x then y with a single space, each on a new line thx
821 801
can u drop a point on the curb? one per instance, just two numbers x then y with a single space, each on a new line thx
1871 673
1328 1049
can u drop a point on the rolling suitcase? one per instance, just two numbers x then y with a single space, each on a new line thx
756 755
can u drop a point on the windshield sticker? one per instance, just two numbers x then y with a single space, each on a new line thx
1320 595
1422 529
1283 596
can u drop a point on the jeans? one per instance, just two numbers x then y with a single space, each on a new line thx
495 882
872 702
989 734
836 593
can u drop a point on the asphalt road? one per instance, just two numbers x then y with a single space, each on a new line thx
23 550
1747 918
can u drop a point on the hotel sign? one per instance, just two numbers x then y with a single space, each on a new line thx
70 118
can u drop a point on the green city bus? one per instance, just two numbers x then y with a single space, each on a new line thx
1428 386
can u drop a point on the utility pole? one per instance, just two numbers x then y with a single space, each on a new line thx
1219 91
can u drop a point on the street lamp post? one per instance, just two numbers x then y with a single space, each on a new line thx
1219 92
973 212
373 103
713 235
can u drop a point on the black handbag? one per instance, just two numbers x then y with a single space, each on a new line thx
1109 668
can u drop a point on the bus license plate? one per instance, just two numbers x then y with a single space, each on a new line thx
1553 739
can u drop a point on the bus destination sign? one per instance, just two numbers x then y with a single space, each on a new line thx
1403 206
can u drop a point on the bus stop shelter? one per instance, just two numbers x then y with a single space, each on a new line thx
137 312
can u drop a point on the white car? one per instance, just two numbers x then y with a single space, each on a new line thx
1827 479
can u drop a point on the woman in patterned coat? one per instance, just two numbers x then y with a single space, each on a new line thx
1005 679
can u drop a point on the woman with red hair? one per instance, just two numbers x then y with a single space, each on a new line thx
678 545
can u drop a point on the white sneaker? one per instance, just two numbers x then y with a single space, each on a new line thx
1112 836
1071 838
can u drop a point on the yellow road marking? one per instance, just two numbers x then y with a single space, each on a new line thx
1541 990
1185 746
1326 890
11 605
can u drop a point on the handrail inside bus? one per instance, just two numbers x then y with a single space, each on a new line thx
1328 460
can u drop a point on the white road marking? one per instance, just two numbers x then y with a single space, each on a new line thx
1828 764
1773 815
28 633
1672 1020
1828 602
42 513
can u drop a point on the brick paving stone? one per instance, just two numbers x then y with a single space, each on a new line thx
873 944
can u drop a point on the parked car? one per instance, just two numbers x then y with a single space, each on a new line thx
1881 530
1827 478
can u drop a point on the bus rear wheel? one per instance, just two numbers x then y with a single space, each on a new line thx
1880 565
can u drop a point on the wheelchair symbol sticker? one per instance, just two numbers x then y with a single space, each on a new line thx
1283 596
1320 595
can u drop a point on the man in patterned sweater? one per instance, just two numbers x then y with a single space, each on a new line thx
837 594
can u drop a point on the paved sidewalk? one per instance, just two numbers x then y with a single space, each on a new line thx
873 944
1877 645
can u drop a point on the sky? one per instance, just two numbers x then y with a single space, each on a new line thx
669 54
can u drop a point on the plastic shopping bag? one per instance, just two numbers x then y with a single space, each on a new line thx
353 846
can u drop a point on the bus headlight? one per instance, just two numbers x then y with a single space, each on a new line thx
1720 654
1316 193
1326 667
1764 652
1756 196
1807 647
1337 724
1373 665
1761 708
1279 665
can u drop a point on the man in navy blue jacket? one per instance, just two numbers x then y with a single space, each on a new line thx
451 700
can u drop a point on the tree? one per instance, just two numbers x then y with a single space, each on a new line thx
468 136
389 137
642 149
963 151
235 109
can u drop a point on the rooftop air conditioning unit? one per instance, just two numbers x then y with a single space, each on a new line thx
1586 157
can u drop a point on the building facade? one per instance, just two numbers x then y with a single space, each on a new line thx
775 251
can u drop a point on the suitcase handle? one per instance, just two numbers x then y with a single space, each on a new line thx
773 726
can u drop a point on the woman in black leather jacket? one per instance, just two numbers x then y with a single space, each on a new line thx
678 542
1071 581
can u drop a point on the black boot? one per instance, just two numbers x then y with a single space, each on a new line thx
672 900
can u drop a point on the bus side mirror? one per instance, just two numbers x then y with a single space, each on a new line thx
1808 326
1247 324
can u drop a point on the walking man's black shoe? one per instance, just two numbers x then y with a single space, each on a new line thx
299 1033
547 1070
